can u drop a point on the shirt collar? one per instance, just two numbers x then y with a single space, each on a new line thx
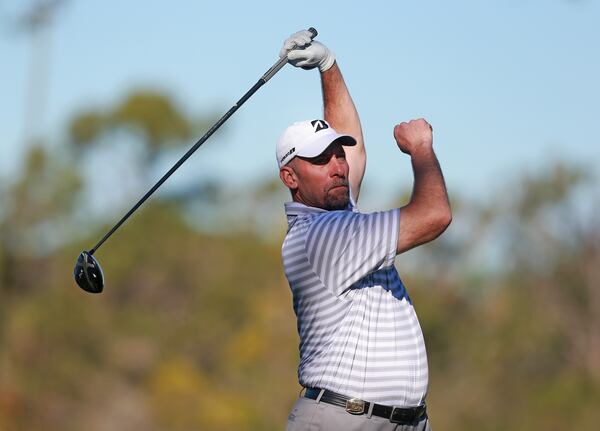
295 209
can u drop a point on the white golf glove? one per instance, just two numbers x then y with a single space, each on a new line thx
303 52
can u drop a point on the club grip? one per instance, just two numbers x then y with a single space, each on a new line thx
277 66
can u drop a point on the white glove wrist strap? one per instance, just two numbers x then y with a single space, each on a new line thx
327 62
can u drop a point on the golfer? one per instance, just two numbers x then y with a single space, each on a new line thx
363 362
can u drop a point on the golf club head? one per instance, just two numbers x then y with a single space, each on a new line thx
88 273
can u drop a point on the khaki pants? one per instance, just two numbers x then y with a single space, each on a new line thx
308 415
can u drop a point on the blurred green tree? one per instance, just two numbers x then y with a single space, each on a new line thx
149 114
196 329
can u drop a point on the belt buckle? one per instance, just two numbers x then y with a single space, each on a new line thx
355 406
399 415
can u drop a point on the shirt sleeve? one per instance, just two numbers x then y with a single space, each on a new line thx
343 246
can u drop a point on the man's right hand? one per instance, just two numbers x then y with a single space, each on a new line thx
413 136
302 51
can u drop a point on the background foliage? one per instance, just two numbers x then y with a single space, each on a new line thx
196 331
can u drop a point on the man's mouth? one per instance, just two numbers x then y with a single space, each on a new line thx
337 186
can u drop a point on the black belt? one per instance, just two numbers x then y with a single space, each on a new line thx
355 406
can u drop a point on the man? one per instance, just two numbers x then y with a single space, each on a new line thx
362 355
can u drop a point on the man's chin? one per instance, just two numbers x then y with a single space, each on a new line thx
338 200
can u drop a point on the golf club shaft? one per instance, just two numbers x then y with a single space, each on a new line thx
268 75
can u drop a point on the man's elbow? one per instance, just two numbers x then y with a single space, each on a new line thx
417 228
434 224
441 220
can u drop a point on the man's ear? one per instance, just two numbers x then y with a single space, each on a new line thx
288 177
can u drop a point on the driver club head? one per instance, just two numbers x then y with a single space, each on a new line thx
88 273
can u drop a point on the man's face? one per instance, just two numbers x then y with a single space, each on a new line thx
320 181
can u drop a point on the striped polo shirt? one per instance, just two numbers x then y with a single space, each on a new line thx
359 333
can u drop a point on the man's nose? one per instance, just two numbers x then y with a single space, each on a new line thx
339 166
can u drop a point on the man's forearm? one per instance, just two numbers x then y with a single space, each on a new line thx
341 113
429 188
428 213
339 109
429 207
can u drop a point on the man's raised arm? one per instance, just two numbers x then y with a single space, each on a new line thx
340 112
339 109
428 213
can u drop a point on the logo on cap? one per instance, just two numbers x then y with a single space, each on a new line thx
319 125
287 154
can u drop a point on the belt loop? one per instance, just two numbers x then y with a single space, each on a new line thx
370 412
321 392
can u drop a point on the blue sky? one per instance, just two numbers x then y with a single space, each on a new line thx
508 85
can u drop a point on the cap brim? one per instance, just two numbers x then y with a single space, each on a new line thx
319 145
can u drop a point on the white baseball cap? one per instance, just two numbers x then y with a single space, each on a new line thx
307 139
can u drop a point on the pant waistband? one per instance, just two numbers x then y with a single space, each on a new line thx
355 406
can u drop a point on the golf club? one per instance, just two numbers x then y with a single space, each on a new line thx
88 273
